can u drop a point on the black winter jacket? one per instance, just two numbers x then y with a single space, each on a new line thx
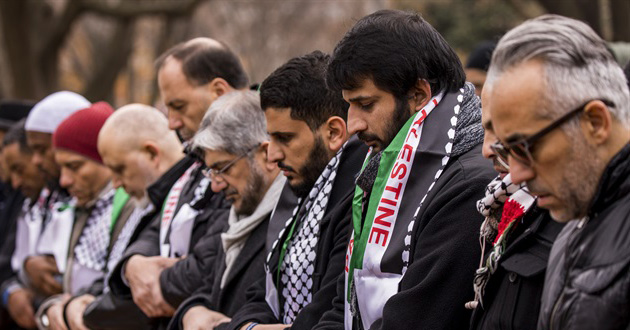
587 285
183 278
336 226
247 269
512 295
438 282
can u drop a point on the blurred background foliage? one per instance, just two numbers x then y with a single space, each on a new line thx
105 49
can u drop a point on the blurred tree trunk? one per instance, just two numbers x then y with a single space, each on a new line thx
15 28
589 11
33 45
109 64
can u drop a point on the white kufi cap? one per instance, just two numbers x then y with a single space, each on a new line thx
48 113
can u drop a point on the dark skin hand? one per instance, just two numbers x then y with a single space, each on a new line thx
20 308
41 271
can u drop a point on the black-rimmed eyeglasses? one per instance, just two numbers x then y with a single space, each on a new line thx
521 149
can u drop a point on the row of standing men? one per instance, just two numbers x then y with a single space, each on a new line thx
349 192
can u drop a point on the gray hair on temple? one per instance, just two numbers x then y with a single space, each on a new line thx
578 65
234 123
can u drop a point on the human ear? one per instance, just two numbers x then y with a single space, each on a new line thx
335 133
153 151
218 87
597 123
421 94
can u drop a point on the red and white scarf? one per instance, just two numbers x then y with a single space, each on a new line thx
504 206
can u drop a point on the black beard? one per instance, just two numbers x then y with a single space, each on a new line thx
399 118
312 169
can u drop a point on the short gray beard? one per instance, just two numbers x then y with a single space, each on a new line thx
254 191
581 177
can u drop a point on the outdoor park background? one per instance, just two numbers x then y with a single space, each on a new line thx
105 49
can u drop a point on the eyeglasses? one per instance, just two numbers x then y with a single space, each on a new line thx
213 174
521 149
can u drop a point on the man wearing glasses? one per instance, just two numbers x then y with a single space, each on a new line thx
515 246
235 142
168 259
560 107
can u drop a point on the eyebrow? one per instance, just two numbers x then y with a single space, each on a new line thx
170 102
274 133
362 98
515 137
216 164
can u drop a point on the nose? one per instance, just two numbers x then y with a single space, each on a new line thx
488 140
274 153
520 173
16 181
356 123
37 159
116 181
218 184
174 120
65 179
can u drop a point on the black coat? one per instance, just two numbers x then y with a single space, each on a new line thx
116 309
183 278
9 212
512 295
247 269
335 229
10 208
445 255
588 276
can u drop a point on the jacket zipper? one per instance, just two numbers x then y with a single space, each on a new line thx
575 232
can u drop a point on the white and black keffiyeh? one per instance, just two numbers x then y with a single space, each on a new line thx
298 264
504 206
91 251
123 238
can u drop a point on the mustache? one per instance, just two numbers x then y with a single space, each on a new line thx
363 136
497 164
285 167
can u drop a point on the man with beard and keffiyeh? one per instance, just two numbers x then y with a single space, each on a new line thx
412 256
516 238
307 125
234 141
98 212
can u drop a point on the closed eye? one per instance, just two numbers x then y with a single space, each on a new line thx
282 137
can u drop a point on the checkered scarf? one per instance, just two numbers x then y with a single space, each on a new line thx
123 239
504 206
299 261
91 251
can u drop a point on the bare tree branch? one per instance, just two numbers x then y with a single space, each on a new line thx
526 8
60 28
131 9
100 85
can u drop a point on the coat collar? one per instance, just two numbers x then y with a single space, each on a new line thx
158 190
614 182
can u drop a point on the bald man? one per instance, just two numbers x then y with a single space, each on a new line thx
139 148
137 145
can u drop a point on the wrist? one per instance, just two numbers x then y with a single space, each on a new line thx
251 326
8 291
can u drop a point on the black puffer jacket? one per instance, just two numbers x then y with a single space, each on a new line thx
587 285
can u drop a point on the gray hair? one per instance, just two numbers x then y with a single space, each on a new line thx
578 65
234 123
